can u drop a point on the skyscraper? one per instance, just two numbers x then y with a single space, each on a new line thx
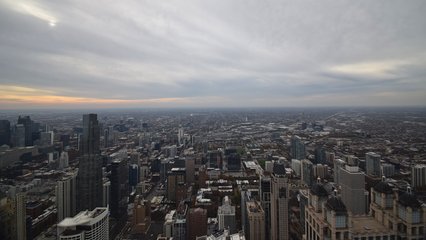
372 161
256 221
90 166
196 223
66 196
265 200
307 172
4 132
297 148
20 216
279 203
352 183
119 188
26 121
226 215
91 135
19 135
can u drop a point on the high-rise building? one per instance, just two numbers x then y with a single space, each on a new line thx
354 196
265 200
141 215
19 135
338 163
196 223
91 135
66 196
296 165
279 203
175 177
233 162
255 229
372 161
89 177
307 170
85 225
226 215
5 136
27 123
320 171
20 216
179 223
63 160
180 136
320 157
297 148
387 169
106 192
119 188
418 176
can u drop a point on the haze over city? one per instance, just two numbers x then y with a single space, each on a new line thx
114 54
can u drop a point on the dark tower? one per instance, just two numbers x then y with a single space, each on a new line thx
4 132
26 121
90 166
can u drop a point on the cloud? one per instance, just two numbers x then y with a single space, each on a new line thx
207 53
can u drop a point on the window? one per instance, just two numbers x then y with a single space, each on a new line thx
340 221
401 212
416 216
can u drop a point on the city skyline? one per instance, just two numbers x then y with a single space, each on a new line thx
136 54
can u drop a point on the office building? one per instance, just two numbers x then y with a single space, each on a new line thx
19 135
119 179
5 134
388 170
307 169
297 148
28 129
175 177
338 163
141 215
196 223
255 229
89 177
106 192
265 201
226 215
85 225
63 160
233 162
296 165
66 196
279 203
179 222
320 171
418 176
20 216
320 157
354 196
190 169
372 161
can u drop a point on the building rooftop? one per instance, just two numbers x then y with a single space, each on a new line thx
84 217
367 224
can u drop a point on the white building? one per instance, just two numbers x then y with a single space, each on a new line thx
91 225
226 215
66 191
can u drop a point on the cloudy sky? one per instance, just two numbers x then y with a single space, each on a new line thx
220 53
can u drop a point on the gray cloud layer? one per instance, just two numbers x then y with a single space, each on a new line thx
218 53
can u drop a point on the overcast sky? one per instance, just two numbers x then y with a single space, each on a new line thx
79 53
